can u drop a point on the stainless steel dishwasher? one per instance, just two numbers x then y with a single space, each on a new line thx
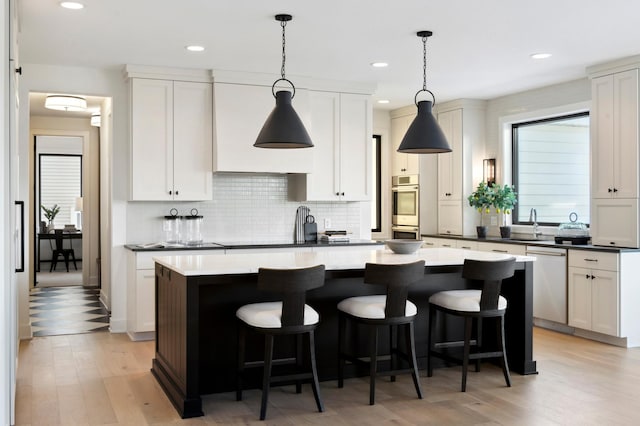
549 283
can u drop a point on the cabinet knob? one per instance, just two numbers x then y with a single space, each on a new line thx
593 277
176 192
587 276
342 193
609 190
170 192
337 193
615 189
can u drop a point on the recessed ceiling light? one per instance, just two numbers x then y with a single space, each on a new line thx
72 5
383 101
540 55
379 64
195 48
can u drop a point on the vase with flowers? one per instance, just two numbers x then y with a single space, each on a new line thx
50 214
504 200
481 199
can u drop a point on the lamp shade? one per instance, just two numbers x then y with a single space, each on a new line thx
65 103
283 128
424 135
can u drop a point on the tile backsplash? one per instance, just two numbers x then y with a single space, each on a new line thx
245 207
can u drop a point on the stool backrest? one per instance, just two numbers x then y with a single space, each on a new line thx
292 284
490 273
397 279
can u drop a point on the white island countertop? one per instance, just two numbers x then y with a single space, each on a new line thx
228 264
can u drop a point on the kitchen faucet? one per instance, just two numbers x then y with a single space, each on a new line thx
533 217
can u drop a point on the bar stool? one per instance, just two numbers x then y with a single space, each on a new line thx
390 310
291 316
473 304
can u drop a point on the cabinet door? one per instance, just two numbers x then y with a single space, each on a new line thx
625 134
450 164
604 302
146 301
580 297
323 182
151 139
601 128
355 147
402 164
450 217
240 112
193 141
614 222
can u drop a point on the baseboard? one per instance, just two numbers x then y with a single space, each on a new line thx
552 325
141 336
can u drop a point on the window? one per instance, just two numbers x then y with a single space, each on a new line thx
376 178
551 168
60 183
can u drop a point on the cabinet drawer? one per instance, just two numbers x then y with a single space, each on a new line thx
144 259
467 245
515 249
438 242
593 260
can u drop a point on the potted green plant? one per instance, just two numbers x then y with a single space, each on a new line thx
50 214
481 199
504 200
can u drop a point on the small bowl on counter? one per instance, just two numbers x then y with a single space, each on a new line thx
404 246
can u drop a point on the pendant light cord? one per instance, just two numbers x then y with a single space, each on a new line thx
283 23
284 55
424 63
424 35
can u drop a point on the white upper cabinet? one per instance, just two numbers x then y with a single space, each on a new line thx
171 140
240 112
614 135
402 163
450 164
341 165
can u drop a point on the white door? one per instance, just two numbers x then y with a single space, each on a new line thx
605 304
355 147
580 298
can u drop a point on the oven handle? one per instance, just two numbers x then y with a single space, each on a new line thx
405 188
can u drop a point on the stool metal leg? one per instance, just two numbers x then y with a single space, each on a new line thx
411 349
242 333
468 326
503 359
298 338
315 385
342 325
373 366
266 380
430 343
393 349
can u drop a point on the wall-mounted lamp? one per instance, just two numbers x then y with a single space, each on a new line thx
489 171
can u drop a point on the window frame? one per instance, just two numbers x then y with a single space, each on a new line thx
515 163
377 183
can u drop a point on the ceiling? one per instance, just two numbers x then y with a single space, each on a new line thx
480 49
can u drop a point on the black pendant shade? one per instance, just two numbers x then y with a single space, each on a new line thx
283 128
424 135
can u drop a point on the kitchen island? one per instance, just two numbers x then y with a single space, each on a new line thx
197 296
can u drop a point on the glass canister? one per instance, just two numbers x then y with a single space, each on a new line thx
172 227
193 228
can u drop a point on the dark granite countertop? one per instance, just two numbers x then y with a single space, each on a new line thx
546 241
248 245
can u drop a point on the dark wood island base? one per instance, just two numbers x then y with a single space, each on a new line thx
196 329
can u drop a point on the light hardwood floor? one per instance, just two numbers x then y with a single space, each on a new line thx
104 378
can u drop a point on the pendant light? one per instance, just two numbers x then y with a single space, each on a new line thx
424 135
283 128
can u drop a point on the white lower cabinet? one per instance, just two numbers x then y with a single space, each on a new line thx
594 292
141 293
430 242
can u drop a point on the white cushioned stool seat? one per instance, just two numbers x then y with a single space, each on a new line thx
269 315
371 307
462 300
